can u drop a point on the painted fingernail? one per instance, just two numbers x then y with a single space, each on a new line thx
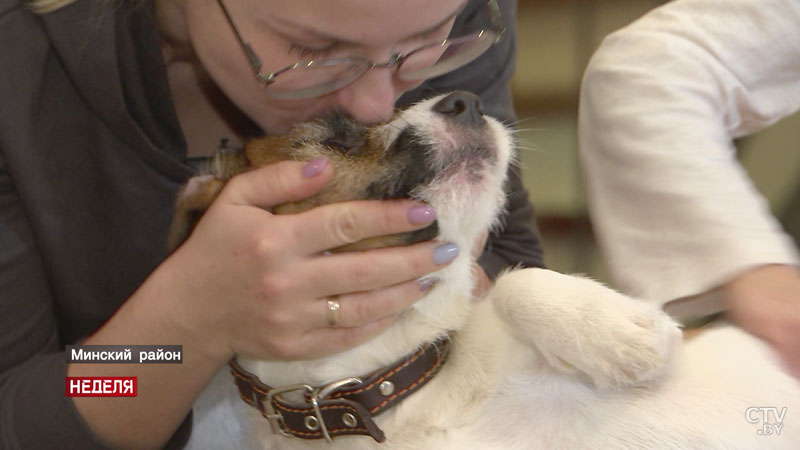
419 214
426 284
314 167
445 253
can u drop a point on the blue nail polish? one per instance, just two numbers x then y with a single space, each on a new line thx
445 253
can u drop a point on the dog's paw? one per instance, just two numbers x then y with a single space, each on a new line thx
624 346
582 326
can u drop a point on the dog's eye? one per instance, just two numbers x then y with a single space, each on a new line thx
333 143
341 146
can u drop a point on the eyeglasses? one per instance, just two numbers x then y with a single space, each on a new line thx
314 78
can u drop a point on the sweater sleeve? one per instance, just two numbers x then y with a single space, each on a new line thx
34 410
661 102
35 413
517 242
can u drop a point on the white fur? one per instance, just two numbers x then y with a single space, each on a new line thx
548 361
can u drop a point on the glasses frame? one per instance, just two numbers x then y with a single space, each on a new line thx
495 27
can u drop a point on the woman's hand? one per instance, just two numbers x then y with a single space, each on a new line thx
766 302
253 283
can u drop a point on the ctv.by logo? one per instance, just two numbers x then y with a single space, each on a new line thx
770 418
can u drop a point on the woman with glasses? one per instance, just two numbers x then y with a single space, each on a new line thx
106 108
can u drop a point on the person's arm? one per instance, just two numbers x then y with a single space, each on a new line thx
245 282
517 243
660 105
34 410
675 213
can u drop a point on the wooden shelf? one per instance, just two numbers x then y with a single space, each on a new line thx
581 23
536 105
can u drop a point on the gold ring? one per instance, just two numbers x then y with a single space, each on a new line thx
333 310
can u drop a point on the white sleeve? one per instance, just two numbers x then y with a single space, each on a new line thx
661 101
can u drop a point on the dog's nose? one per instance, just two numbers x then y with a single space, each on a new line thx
463 107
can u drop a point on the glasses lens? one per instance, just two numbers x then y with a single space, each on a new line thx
315 78
434 60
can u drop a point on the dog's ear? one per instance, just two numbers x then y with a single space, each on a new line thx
193 200
269 150
197 194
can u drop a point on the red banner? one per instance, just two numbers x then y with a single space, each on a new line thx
101 387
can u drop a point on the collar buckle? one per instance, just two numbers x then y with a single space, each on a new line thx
274 417
343 407
314 396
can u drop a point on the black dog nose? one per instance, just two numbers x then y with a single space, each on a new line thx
463 107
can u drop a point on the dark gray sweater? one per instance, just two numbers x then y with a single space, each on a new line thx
91 155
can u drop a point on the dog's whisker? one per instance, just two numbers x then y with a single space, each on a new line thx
533 150
518 131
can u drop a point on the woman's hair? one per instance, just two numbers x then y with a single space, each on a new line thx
46 6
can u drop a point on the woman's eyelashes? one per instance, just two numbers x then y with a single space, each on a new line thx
305 51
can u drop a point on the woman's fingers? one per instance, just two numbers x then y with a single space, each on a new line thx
766 302
361 308
338 224
328 226
347 272
282 182
263 279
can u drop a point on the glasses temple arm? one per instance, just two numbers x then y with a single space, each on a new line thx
255 62
495 23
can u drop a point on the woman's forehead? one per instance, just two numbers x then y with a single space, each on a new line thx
361 21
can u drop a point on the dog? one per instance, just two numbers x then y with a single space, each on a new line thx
546 361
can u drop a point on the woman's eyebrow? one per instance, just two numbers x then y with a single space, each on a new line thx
440 24
316 34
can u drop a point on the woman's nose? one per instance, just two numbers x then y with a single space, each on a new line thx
371 98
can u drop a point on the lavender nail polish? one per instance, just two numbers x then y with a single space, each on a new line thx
426 284
445 253
419 214
314 167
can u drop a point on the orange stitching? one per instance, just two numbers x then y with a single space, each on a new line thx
397 369
425 375
253 379
347 408
331 431
247 400
384 376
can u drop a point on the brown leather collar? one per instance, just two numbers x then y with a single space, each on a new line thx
344 407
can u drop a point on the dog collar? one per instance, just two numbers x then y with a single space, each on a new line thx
344 407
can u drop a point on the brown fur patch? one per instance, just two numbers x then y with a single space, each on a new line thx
364 170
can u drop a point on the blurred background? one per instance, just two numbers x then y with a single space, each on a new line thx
556 40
